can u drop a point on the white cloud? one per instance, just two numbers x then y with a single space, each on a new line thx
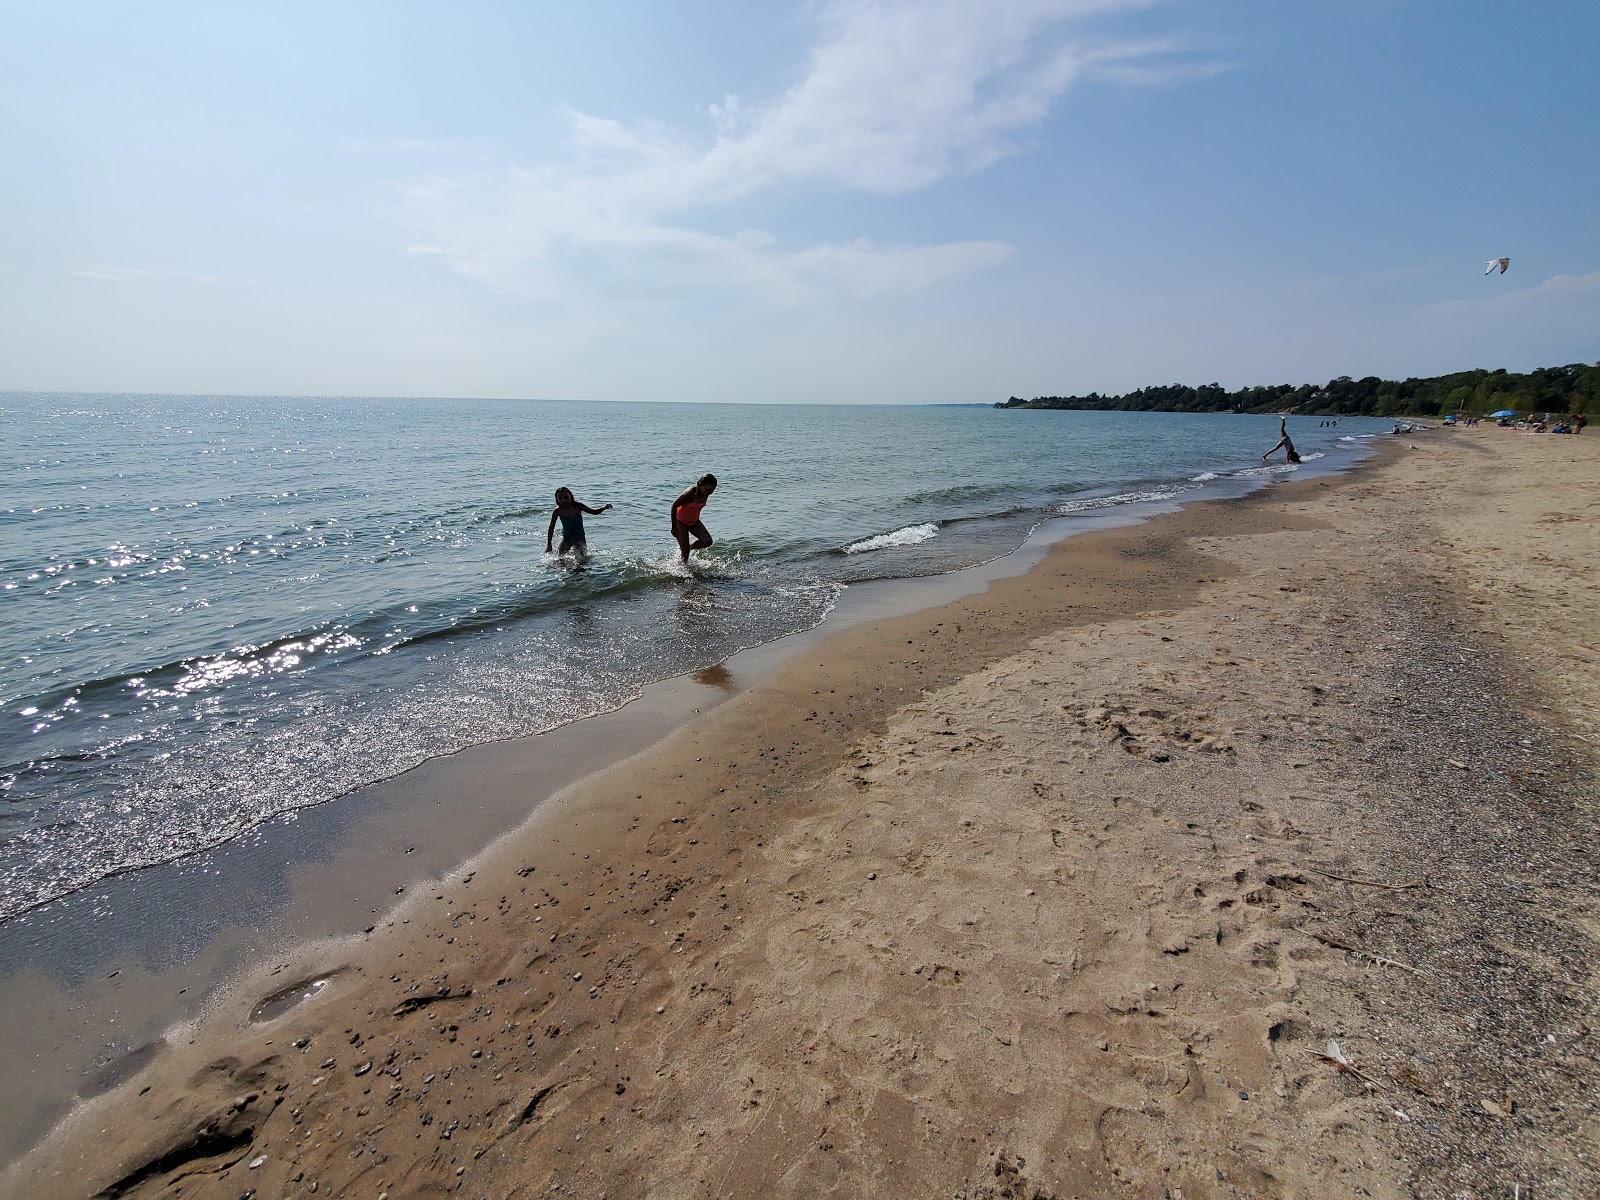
1151 63
129 274
862 269
897 95
901 95
1554 295
1546 323
110 274
1563 308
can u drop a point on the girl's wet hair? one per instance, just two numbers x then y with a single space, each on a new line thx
707 480
563 491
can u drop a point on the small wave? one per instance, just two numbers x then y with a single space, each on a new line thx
638 570
1203 477
909 536
961 493
1141 497
602 576
249 662
1280 468
182 679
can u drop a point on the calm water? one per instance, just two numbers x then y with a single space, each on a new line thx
217 609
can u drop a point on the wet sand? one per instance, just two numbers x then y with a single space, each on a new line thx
1057 890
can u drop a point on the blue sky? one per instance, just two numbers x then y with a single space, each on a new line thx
925 201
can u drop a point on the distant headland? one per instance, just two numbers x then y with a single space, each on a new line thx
1571 389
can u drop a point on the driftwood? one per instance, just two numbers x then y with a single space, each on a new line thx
1381 960
1393 887
1337 1059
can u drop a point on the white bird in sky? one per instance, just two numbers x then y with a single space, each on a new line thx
1502 263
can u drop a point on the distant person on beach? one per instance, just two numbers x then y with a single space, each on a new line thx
686 522
1284 443
570 513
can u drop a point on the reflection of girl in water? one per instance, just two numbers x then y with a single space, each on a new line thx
686 522
1283 442
570 513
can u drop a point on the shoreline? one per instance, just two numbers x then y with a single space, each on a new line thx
720 970
331 873
380 685
117 964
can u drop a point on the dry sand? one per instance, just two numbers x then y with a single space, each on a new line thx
1059 890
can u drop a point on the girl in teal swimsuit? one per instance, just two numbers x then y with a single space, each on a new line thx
570 513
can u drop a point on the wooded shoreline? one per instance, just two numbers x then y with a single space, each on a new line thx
1574 388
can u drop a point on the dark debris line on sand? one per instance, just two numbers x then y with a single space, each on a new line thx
1497 1025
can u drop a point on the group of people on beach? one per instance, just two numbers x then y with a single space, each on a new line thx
1537 424
688 530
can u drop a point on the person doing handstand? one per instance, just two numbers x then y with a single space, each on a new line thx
570 513
1283 442
686 522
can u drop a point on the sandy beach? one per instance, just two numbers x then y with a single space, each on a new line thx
1246 852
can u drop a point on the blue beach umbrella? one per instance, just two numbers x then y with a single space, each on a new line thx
1504 412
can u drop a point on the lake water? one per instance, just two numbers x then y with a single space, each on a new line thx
214 610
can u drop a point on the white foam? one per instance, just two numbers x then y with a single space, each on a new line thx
909 536
1203 477
1154 494
1279 468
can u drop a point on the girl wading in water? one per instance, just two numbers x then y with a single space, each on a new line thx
686 522
569 512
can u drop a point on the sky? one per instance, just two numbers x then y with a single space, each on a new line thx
930 201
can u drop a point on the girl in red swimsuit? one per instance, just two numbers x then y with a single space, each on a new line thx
686 522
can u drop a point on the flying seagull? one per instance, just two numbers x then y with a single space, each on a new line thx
1502 263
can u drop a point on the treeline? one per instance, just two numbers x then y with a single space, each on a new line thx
1571 389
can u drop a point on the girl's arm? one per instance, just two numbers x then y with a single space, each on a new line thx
594 512
549 534
689 494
